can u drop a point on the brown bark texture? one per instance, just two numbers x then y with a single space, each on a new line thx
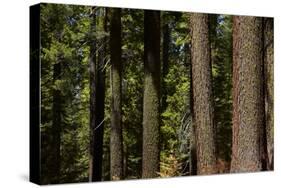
151 101
248 99
116 140
269 91
193 157
203 114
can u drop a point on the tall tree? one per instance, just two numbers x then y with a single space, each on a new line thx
151 100
269 95
202 94
248 99
93 100
97 98
116 139
55 143
63 114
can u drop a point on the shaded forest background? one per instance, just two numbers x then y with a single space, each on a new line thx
100 65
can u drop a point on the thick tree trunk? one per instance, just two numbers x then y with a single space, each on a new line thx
116 140
56 127
202 95
151 101
248 99
269 95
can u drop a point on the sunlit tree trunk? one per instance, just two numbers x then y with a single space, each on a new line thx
151 100
248 99
202 95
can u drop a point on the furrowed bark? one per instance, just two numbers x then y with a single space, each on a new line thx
116 140
202 95
151 101
269 91
248 102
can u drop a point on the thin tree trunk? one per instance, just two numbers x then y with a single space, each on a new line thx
248 99
116 140
151 101
202 95
94 165
97 91
269 94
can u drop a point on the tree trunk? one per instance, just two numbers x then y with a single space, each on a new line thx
151 101
202 95
56 127
248 99
269 95
193 157
116 140
94 163
97 90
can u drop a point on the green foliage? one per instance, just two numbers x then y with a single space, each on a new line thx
221 35
66 38
132 88
63 29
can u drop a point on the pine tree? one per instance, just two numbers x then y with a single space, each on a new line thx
202 95
93 62
97 98
151 100
248 101
116 140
